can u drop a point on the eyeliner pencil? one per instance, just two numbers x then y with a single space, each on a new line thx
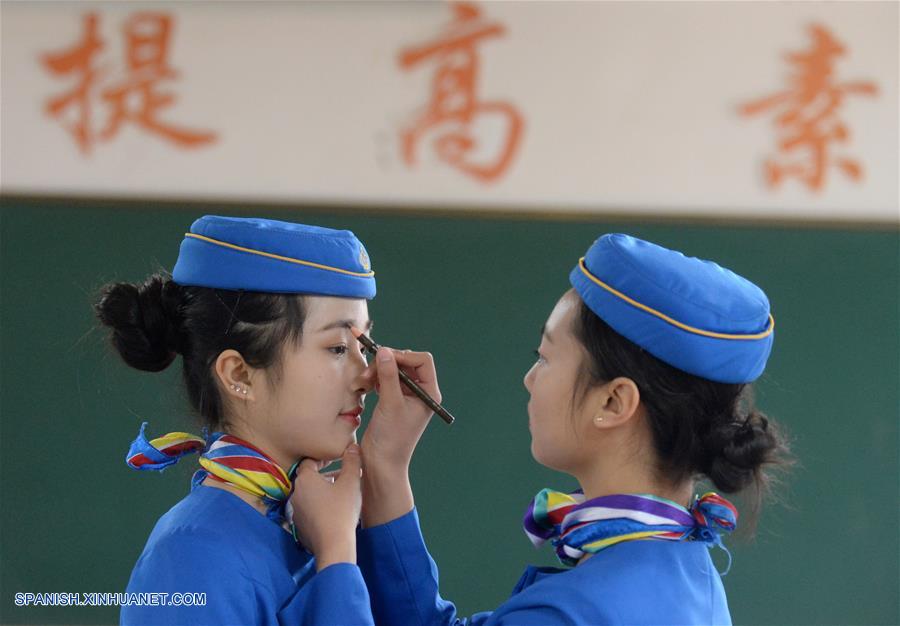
372 347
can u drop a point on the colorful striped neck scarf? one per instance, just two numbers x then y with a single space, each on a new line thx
225 458
577 527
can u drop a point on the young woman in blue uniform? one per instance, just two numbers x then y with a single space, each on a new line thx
259 311
641 387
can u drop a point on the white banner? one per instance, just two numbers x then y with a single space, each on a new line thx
749 109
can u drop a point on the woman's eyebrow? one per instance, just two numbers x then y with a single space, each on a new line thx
546 333
345 324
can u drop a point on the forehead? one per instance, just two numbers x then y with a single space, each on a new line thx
321 310
562 315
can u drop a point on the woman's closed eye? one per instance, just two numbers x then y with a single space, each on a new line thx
540 357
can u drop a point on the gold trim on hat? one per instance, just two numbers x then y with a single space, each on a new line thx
666 318
279 257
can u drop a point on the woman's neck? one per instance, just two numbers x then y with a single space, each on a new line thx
605 481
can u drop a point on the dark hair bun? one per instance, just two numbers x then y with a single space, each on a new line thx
145 319
737 451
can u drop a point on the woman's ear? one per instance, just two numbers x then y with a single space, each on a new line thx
615 403
234 375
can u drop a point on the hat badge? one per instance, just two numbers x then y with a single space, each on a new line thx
364 259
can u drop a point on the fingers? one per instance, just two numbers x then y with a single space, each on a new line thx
420 363
388 379
351 467
420 367
308 465
310 468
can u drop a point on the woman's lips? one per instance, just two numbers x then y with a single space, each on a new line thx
352 417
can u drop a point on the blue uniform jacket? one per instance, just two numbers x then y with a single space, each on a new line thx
250 569
635 582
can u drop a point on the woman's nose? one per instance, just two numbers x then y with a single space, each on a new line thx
529 377
366 379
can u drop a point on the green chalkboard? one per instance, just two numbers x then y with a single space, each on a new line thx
474 291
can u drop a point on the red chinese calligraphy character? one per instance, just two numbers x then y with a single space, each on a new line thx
135 98
454 106
147 36
807 113
77 60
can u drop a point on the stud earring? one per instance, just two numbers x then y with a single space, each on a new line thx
598 419
239 389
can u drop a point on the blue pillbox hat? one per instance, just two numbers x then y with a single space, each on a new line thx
692 314
268 255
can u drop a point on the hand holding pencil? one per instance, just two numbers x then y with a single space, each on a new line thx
423 395
398 422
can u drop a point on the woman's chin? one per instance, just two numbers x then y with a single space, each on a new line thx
536 453
335 451
547 460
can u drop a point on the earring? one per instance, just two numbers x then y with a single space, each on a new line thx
598 420
239 389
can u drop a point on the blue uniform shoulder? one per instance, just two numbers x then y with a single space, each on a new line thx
223 522
214 543
637 582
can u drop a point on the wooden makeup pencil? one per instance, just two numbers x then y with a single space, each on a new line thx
372 347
